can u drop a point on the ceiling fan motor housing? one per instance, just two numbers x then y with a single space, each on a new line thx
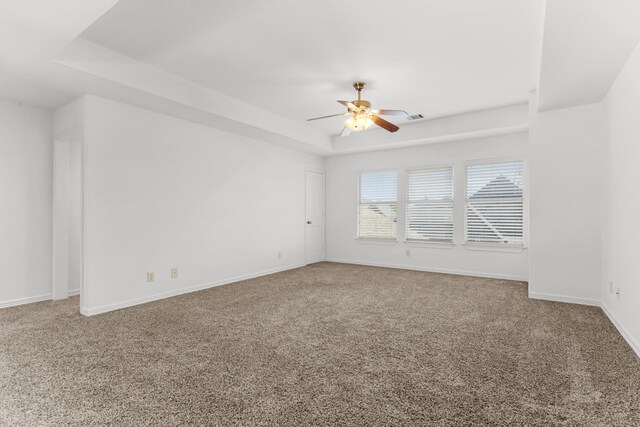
361 103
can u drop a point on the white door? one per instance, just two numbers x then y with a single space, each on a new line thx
314 236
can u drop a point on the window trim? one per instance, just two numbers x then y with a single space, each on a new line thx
428 244
499 247
494 247
375 240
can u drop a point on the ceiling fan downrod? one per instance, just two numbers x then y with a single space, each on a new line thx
359 86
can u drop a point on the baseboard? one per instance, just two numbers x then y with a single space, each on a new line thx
564 298
432 270
635 346
176 292
27 300
37 298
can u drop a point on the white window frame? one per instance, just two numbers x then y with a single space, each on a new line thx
429 242
500 247
376 240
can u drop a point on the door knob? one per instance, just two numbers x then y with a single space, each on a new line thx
308 222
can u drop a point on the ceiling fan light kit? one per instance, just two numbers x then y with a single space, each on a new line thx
362 116
358 122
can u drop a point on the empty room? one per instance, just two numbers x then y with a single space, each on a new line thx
319 213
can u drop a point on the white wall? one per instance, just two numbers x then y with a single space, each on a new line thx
342 245
161 192
566 157
25 200
621 229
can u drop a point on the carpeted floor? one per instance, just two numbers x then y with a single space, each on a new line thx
326 344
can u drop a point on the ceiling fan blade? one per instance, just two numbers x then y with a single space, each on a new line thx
345 132
384 124
332 115
349 105
384 112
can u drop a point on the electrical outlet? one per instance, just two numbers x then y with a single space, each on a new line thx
408 252
611 287
151 276
279 255
174 273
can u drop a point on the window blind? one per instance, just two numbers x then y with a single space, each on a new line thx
494 203
377 205
430 204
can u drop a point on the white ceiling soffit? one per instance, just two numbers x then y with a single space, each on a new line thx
167 93
296 58
476 124
585 44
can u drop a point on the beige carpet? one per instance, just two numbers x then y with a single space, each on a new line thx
327 344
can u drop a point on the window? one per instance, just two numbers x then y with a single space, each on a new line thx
377 205
494 203
430 205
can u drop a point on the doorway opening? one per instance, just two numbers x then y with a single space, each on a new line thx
68 215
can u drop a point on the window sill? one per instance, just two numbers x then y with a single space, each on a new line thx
514 249
429 244
384 242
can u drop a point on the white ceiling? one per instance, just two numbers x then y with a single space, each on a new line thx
585 45
32 33
296 58
261 68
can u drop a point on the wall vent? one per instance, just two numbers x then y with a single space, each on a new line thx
415 117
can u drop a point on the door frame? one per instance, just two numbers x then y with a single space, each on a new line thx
324 209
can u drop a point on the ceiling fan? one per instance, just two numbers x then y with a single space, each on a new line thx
362 116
